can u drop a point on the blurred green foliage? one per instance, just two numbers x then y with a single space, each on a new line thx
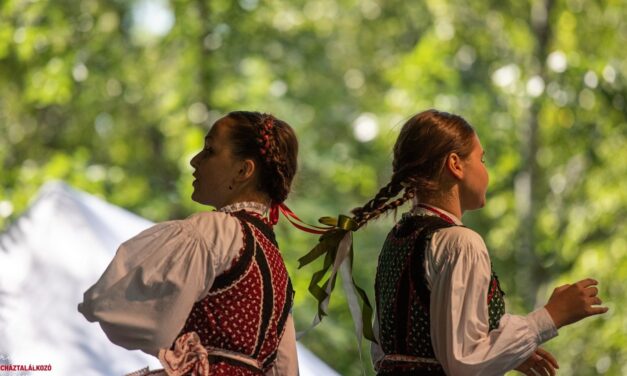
92 94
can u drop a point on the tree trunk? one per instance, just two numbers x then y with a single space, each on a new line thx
530 273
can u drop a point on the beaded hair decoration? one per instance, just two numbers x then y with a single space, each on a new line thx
265 133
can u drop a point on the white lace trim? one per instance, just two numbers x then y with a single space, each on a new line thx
420 211
256 207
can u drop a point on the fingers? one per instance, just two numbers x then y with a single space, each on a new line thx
596 310
544 368
525 368
587 282
595 300
547 356
592 291
541 362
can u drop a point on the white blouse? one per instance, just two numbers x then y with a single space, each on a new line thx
458 273
145 295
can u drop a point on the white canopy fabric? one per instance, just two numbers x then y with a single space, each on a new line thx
48 257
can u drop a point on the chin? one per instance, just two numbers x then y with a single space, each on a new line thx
477 205
481 204
197 199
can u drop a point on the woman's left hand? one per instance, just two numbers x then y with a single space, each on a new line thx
541 362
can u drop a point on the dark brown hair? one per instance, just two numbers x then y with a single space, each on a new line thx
420 154
270 142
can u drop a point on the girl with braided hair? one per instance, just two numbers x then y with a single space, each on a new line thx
440 308
210 294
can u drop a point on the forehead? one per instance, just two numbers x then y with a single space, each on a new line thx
219 130
476 143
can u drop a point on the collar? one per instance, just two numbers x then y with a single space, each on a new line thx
418 210
251 206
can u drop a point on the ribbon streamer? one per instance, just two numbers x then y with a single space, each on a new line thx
336 245
273 218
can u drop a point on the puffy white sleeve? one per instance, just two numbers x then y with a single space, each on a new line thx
459 276
146 293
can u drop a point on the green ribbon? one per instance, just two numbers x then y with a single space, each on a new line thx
366 308
328 246
342 222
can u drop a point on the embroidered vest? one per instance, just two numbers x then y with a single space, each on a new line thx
403 299
246 308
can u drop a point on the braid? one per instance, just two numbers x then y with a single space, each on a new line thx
407 195
278 172
379 204
272 143
265 137
282 173
401 180
372 208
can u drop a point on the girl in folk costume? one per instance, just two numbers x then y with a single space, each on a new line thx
210 294
440 308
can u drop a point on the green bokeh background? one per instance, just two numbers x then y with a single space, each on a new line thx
92 94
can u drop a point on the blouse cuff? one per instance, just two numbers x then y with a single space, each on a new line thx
543 324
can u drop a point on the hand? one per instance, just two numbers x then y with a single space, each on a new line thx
541 362
571 303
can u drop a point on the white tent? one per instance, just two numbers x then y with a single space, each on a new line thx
48 258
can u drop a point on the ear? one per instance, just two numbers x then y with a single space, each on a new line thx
454 166
247 169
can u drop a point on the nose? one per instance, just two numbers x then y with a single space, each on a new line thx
194 160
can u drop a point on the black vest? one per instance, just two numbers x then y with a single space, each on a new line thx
403 298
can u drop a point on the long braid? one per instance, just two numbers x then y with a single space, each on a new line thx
379 204
367 212
403 179
407 195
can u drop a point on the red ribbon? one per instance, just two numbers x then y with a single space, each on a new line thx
273 218
438 213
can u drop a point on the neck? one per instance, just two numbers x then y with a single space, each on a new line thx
447 202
